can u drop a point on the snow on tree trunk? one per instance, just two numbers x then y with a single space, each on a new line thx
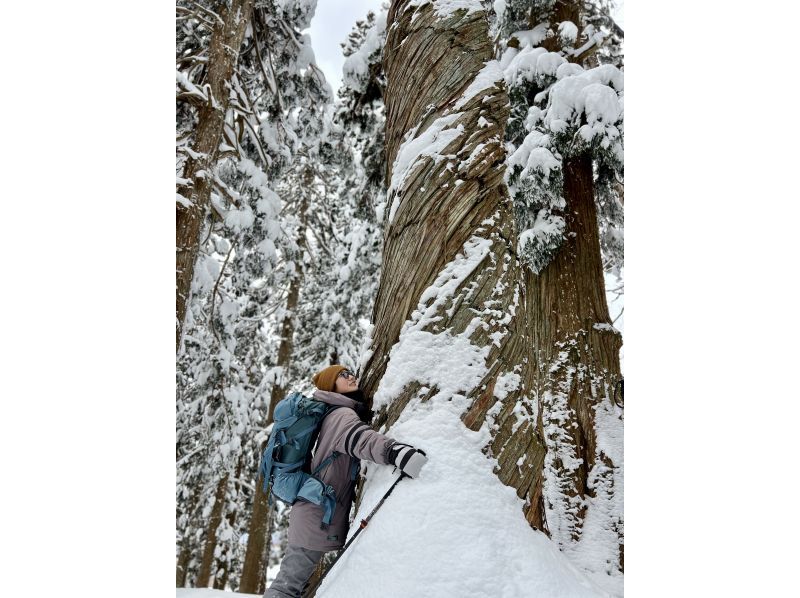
449 322
226 40
565 172
577 381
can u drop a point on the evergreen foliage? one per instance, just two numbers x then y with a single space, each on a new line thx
566 89
278 105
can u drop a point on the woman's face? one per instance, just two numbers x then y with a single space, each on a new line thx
346 381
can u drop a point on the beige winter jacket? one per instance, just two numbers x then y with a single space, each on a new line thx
344 432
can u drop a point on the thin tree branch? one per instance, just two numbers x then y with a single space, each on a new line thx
214 294
210 13
183 459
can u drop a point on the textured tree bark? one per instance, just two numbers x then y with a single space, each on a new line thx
579 368
222 57
430 61
204 575
578 373
255 560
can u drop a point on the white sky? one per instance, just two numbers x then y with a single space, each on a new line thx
332 22
334 19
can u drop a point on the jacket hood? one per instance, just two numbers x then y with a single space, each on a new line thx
340 400
335 398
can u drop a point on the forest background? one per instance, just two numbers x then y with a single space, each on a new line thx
709 332
448 224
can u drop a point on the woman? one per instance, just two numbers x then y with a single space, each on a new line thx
345 432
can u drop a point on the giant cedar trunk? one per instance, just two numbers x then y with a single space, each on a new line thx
255 560
223 54
578 372
430 62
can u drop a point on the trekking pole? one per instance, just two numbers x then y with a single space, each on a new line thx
364 523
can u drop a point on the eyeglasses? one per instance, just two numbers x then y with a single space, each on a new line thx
346 374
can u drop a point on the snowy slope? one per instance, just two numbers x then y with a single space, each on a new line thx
456 531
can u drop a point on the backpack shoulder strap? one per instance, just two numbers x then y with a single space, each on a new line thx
333 455
325 462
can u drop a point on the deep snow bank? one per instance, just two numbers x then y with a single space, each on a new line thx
454 532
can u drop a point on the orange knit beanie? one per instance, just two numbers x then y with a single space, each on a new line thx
326 379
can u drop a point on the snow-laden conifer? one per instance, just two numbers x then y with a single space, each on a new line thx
566 91
276 99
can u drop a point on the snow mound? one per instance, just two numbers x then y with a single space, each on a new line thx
456 531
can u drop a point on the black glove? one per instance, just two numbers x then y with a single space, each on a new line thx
409 459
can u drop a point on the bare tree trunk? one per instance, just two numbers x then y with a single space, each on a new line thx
429 63
204 575
255 560
287 342
226 40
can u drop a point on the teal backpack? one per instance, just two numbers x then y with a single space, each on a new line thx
286 462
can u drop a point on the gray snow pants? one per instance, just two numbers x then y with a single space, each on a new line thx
296 568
